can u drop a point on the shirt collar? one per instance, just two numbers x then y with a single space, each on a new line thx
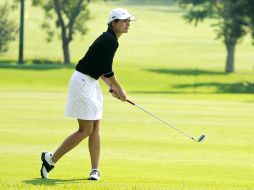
110 31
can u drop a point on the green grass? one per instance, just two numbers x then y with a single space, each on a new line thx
138 152
168 67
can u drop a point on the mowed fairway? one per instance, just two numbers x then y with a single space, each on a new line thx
138 152
182 82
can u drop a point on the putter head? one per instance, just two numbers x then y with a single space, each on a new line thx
201 138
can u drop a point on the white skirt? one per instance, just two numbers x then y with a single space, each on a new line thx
85 98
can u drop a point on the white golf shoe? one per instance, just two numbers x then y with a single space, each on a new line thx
94 175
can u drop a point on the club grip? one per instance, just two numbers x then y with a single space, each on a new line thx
126 100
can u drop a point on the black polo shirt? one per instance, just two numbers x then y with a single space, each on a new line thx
98 59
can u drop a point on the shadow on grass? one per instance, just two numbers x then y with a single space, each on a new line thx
237 88
240 87
52 182
186 72
34 65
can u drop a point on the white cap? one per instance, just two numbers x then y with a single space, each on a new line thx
121 14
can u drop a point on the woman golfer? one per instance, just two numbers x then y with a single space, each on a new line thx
85 99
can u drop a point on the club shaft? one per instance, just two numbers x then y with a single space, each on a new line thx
162 120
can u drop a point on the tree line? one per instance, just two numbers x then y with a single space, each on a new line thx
234 19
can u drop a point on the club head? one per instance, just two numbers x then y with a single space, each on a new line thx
201 138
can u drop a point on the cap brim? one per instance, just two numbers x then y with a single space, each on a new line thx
131 17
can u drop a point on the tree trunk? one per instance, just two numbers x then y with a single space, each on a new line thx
21 31
230 58
66 51
65 40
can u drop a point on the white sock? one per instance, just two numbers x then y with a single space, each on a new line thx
48 158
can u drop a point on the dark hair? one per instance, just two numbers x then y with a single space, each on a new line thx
110 24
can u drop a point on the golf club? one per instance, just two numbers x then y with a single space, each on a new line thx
200 139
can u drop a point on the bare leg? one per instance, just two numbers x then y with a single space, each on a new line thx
94 145
85 129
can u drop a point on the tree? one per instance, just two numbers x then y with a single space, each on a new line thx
8 28
235 20
69 16
21 31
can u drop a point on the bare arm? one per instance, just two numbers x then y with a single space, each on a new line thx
118 91
105 80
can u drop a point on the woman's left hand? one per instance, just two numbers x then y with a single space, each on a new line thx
113 92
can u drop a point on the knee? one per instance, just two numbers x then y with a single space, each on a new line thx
85 132
96 129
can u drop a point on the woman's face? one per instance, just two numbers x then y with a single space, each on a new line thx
121 26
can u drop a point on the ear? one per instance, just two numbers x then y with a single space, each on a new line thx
113 23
